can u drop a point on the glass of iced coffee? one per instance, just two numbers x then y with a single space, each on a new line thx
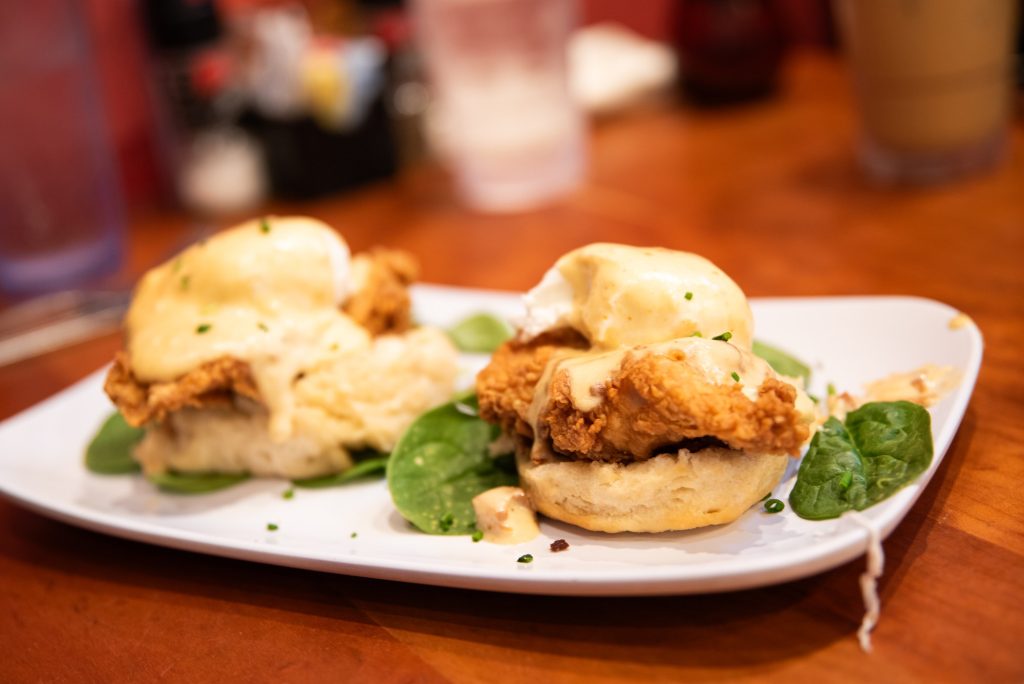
933 81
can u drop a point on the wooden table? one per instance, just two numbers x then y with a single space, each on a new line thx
771 193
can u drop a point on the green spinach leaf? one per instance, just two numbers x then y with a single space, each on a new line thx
110 451
481 333
440 463
782 362
882 447
361 470
196 483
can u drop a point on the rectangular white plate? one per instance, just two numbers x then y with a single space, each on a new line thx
848 341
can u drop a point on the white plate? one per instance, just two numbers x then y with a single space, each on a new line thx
848 341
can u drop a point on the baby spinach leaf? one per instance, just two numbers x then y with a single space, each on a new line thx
895 438
362 469
195 483
781 362
882 447
110 451
440 463
482 333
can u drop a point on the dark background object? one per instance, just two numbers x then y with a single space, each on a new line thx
306 161
730 50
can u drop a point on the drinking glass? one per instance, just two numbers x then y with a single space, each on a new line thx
60 208
502 112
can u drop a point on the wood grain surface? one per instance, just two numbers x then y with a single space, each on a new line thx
772 194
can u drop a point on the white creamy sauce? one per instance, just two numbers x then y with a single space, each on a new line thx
505 516
267 293
924 385
619 296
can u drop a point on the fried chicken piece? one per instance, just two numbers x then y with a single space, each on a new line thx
381 301
505 387
211 384
652 402
381 304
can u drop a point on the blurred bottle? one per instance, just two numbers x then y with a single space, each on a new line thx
729 50
61 214
502 112
219 168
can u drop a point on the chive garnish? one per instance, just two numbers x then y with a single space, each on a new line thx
766 496
696 334
288 493
773 506
689 296
525 558
831 390
353 535
271 527
203 328
264 225
262 326
735 376
477 536
446 522
724 337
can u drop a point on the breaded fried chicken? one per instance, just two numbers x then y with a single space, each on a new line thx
381 304
505 387
652 401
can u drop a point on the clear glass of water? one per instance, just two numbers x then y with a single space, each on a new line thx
502 113
61 217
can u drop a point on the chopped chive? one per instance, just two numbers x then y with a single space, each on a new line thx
353 535
689 296
766 496
185 280
831 390
477 536
262 326
525 558
271 527
288 493
446 522
773 506
813 398
846 480
724 337
696 334
264 225
735 376
203 328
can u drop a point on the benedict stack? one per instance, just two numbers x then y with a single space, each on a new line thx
634 398
269 349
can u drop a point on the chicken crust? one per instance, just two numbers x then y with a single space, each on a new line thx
505 387
211 384
650 404
381 305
